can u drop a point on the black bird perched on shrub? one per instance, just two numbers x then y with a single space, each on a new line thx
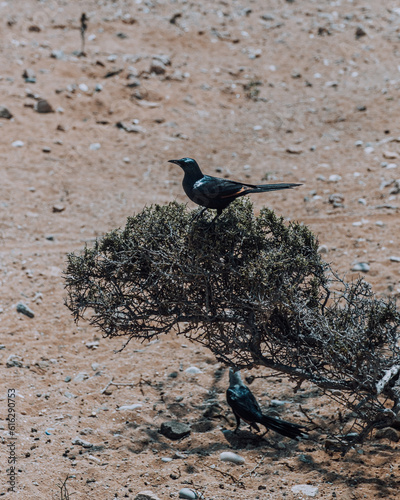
214 192
244 406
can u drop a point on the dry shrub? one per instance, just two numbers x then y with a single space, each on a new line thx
255 291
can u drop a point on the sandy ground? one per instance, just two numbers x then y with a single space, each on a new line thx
304 91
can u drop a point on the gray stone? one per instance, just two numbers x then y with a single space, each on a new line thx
146 495
29 75
394 258
361 266
228 456
162 58
14 360
4 113
43 106
130 127
24 309
157 67
174 429
81 442
188 494
81 377
57 54
305 489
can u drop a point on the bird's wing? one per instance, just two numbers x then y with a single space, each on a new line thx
214 187
243 402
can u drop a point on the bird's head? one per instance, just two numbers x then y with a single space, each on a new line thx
234 377
187 164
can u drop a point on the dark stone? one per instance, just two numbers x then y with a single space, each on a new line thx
174 429
388 433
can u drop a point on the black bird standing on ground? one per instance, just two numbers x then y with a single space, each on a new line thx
244 406
214 192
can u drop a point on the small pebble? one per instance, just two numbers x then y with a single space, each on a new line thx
29 75
83 87
334 178
43 106
305 489
228 456
24 309
174 429
17 144
134 406
188 494
277 402
146 495
361 266
193 370
95 146
81 442
390 155
394 258
368 150
4 113
126 159
58 208
166 459
322 249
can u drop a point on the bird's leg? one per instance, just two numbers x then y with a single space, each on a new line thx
219 212
199 214
237 423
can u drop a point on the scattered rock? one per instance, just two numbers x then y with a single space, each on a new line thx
92 345
130 407
390 155
58 208
146 495
293 150
147 104
336 200
334 178
162 58
305 489
130 127
14 360
228 456
95 146
81 377
278 402
81 442
361 266
388 433
322 249
4 113
174 429
24 309
57 54
29 75
193 370
43 106
360 32
17 144
188 494
157 67
394 258
83 87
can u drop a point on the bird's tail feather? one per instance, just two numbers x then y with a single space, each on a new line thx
273 187
287 429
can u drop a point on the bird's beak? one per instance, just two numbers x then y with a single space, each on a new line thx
174 161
